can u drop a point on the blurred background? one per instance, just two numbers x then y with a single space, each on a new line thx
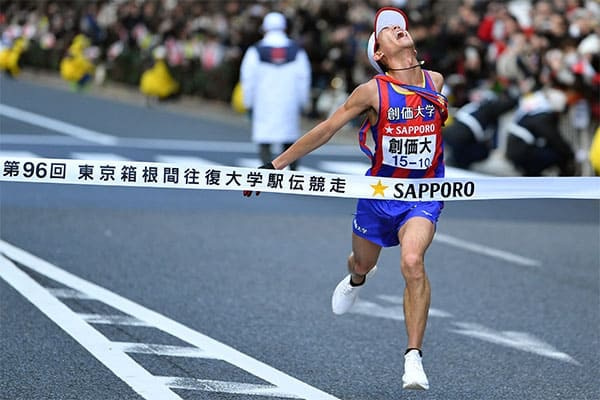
168 49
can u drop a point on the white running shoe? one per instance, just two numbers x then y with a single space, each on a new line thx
345 294
414 376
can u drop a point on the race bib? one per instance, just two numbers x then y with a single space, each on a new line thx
410 152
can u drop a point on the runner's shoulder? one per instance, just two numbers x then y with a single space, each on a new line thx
438 79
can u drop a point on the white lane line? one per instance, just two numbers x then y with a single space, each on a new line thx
163 350
391 298
119 363
399 300
519 340
346 167
223 146
248 162
286 383
369 308
46 140
211 146
67 293
486 251
226 387
90 155
188 160
56 125
396 312
112 320
16 153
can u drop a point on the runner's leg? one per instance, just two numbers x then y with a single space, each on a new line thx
363 258
415 237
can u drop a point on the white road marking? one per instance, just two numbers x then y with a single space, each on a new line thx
433 312
248 162
63 293
46 140
119 363
56 125
345 167
371 309
518 340
210 146
188 160
163 350
91 155
487 251
126 320
226 387
395 312
16 153
148 386
390 298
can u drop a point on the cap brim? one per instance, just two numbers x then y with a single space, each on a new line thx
371 52
389 16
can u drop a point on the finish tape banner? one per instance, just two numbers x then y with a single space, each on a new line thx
217 177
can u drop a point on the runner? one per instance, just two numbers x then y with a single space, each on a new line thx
405 113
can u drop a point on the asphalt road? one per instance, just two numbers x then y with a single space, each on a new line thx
95 278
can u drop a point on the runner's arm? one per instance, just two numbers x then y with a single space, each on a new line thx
362 99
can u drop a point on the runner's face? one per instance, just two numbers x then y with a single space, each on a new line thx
395 34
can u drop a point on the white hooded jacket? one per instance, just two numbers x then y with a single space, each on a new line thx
275 92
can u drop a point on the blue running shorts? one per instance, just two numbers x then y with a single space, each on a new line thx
379 221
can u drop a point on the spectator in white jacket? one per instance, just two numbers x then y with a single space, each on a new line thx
276 77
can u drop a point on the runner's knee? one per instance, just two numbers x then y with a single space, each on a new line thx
358 266
412 266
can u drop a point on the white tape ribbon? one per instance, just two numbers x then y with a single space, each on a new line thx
194 176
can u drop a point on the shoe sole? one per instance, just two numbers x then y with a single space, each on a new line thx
414 386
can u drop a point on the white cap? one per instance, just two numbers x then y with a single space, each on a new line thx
386 16
274 21
371 52
389 16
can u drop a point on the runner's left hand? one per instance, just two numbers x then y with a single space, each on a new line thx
248 193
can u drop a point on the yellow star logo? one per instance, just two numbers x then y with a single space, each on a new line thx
379 189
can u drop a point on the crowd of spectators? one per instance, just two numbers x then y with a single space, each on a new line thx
474 43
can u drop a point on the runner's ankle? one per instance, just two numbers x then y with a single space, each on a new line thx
357 281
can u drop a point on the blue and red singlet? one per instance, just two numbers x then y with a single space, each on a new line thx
408 131
408 144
